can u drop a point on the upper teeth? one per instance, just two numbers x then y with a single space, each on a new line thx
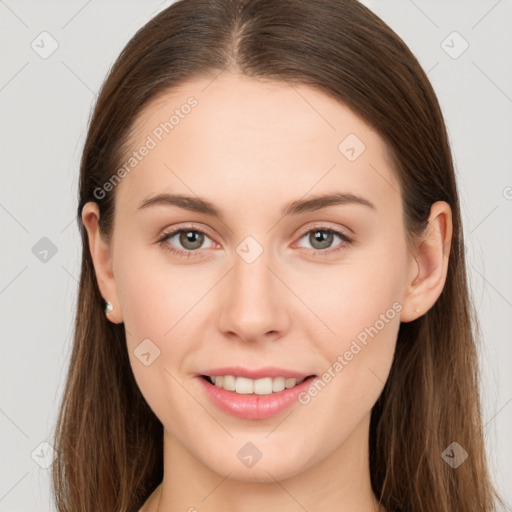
245 386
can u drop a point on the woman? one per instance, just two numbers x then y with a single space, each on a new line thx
270 217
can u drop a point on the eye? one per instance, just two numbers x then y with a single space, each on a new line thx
321 238
190 238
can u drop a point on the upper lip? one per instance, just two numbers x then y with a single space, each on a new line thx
255 373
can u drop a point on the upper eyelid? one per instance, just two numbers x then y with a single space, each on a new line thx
173 231
319 225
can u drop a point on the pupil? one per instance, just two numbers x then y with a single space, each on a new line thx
324 237
191 237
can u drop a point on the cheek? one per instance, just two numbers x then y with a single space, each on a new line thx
158 300
361 308
155 295
353 294
153 304
363 311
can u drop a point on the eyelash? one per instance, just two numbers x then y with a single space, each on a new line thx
346 240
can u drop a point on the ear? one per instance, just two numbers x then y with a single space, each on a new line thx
101 258
429 267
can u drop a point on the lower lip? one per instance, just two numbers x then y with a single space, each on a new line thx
254 407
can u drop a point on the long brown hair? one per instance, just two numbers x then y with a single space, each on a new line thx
109 443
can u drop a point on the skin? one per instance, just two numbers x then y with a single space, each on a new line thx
249 147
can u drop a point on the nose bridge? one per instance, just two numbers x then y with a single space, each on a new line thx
254 302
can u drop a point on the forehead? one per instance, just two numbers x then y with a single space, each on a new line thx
219 137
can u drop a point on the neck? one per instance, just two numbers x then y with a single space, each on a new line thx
340 482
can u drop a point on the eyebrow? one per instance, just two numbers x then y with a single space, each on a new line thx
199 205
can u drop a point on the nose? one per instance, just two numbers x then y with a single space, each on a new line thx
254 301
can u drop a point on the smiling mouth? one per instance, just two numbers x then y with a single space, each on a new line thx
245 386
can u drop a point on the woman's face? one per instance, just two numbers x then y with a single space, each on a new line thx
264 289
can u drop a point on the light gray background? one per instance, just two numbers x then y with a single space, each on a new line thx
45 107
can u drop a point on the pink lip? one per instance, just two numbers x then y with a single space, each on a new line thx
253 407
268 371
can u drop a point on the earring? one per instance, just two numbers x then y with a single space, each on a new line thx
108 307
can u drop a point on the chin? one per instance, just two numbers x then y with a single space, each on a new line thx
251 464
